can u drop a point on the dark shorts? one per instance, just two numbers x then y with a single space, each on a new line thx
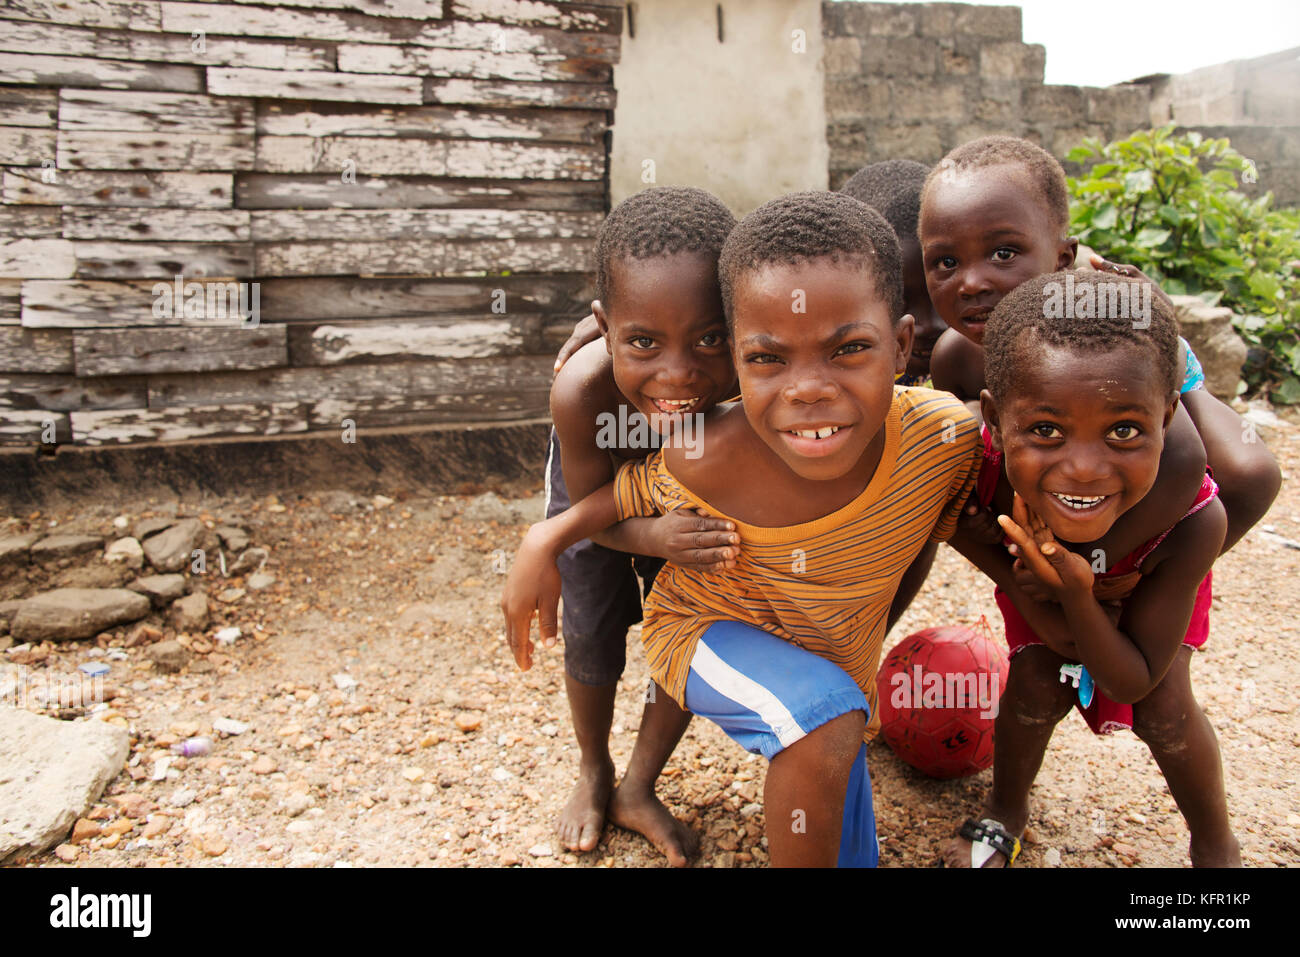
602 597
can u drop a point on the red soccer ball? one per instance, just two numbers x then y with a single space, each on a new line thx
938 697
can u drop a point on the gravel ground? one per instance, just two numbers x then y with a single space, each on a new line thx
443 754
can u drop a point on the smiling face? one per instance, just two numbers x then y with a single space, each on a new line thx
666 335
928 327
817 384
1082 434
983 232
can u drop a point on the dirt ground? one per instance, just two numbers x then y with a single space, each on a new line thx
443 754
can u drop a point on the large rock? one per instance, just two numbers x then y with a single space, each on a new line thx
170 551
169 656
151 526
15 549
68 613
234 538
1209 331
162 590
125 551
191 612
50 773
65 546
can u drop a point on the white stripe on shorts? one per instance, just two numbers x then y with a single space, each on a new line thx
550 453
744 690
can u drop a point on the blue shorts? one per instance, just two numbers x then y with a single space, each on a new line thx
1193 374
766 694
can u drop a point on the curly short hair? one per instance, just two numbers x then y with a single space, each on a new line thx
801 227
893 189
1036 314
1043 169
660 221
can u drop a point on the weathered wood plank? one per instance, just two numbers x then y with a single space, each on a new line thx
64 393
314 85
462 337
388 156
68 40
348 298
155 151
344 225
25 145
33 427
423 257
169 225
351 383
120 14
11 301
116 260
35 350
263 21
88 188
30 222
324 191
428 410
364 58
29 107
174 425
298 119
425 9
50 304
42 70
102 352
131 112
563 16
37 259
583 96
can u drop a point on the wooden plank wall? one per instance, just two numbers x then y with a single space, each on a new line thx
404 192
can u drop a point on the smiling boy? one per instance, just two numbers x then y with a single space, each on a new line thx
836 481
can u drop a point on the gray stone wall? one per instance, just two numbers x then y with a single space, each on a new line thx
912 82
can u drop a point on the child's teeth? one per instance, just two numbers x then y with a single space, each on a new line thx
822 433
1080 501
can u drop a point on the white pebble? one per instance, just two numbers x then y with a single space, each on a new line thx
1052 857
229 726
228 636
344 681
183 797
541 850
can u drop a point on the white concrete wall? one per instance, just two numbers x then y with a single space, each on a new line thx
744 118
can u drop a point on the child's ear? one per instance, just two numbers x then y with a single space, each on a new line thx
989 410
602 323
904 333
1170 411
1068 254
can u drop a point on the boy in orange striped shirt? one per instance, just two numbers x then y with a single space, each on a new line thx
836 480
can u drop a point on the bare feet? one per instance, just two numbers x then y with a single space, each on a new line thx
639 811
583 818
957 852
1225 852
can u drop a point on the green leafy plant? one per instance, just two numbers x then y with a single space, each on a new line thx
1170 206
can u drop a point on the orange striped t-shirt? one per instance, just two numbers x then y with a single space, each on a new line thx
825 585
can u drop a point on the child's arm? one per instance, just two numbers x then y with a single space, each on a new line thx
957 366
1126 664
533 584
586 330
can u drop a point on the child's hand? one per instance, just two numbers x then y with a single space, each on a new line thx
693 538
585 331
533 585
1058 569
1102 264
980 523
1027 581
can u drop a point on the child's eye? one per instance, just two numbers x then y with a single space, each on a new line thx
1125 432
1045 430
851 347
713 339
945 262
761 358
642 342
1004 254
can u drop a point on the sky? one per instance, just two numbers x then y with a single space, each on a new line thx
1100 42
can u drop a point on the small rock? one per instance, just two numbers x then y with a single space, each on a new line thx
125 551
84 830
541 850
229 726
121 523
251 560
169 656
727 859
157 827
213 845
413 774
381 502
749 810
344 682
509 858
299 827
172 550
66 853
182 797
468 722
151 526
296 803
1052 857
235 539
501 774
143 635
263 765
162 590
549 730
231 595
121 826
259 580
228 636
190 613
